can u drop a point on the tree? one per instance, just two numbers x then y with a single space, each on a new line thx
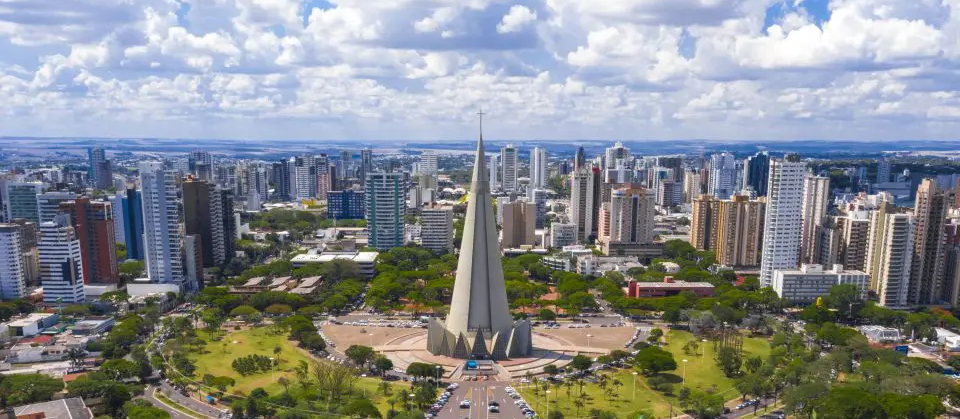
546 314
846 298
383 364
243 311
278 309
653 360
550 369
848 403
925 406
655 335
362 408
359 354
21 389
581 362
75 310
703 405
131 269
141 409
120 369
423 370
729 360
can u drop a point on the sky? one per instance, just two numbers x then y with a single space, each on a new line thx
540 69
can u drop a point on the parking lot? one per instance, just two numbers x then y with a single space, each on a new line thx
481 394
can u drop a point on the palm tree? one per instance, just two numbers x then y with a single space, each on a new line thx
276 353
76 356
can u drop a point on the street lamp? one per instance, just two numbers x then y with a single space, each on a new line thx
438 376
634 386
371 340
704 355
547 395
588 339
684 378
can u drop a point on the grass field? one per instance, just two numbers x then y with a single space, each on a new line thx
216 358
701 372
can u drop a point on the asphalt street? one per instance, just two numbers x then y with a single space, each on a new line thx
185 401
480 395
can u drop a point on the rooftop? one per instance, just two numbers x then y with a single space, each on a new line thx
678 284
29 319
72 408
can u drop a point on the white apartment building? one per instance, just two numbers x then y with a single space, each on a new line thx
538 167
385 209
163 228
781 231
13 278
61 267
509 167
48 204
816 195
437 229
895 259
562 234
811 281
723 175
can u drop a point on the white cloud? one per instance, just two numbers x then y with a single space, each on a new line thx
420 68
516 19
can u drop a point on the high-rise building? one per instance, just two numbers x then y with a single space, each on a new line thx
723 175
203 217
100 173
61 266
200 164
538 167
704 226
782 225
366 164
119 234
28 245
585 203
616 156
691 185
93 226
880 207
344 164
519 222
927 280
579 160
756 170
21 200
494 171
131 203
281 181
732 228
303 183
428 163
509 168
854 240
816 195
48 204
437 232
883 170
740 225
348 204
894 252
257 182
672 163
13 280
385 208
631 216
323 176
562 234
539 198
669 193
163 230
229 228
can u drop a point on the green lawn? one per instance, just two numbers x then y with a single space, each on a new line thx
216 358
700 373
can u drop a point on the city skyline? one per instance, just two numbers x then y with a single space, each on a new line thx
543 69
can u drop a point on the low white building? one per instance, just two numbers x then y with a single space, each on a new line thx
366 261
949 340
812 281
880 334
670 267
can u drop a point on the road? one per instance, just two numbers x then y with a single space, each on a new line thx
213 411
480 394
174 413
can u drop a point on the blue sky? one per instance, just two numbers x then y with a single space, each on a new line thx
541 69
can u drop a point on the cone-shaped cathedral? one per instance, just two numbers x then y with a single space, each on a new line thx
479 325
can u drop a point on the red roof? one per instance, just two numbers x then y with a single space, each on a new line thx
40 339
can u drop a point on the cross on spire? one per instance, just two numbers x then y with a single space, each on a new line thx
481 122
